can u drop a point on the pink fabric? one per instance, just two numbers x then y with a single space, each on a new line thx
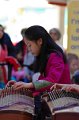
56 71
18 74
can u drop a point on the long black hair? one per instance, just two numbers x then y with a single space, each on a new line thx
35 32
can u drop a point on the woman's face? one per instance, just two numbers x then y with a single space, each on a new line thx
1 32
34 47
54 36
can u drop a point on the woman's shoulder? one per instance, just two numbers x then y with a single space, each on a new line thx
55 58
55 55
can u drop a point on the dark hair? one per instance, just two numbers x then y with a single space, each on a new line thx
2 27
23 32
20 47
35 32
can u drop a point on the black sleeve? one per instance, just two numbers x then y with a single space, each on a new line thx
10 47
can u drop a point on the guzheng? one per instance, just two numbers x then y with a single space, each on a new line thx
19 101
60 99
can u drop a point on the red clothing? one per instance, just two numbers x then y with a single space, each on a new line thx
3 53
3 69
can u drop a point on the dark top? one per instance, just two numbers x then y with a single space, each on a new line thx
7 41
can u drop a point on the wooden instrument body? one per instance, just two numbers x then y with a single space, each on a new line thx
69 107
67 114
15 115
16 105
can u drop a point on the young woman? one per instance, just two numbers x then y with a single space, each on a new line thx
50 64
50 61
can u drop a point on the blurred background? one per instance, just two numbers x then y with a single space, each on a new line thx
18 14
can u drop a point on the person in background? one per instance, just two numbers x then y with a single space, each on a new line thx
3 68
73 61
6 40
5 50
21 45
24 57
28 57
50 64
20 74
75 77
66 87
56 36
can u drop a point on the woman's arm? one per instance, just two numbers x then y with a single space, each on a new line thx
37 85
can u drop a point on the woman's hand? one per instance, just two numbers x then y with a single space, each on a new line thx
20 85
57 86
72 88
66 87
10 83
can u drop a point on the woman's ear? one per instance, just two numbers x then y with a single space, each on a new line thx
39 41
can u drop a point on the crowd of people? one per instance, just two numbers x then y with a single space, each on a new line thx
44 65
